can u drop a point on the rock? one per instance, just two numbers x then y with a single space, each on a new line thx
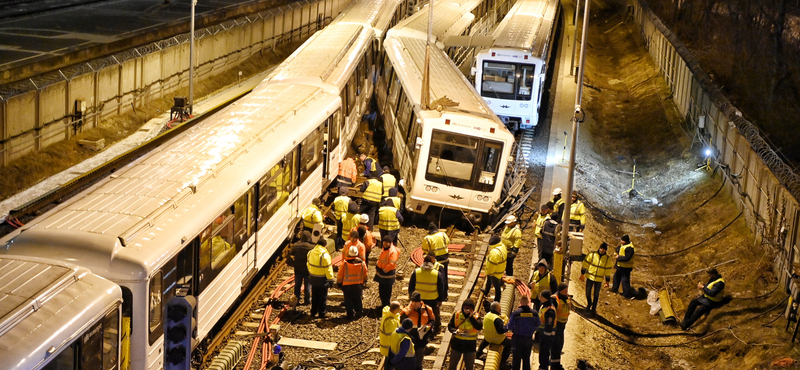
649 225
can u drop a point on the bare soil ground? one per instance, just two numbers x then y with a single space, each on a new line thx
679 223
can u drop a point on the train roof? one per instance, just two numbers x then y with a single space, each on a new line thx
450 18
44 304
127 225
527 26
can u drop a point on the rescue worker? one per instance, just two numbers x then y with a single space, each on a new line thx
541 217
430 284
389 220
563 306
494 332
547 317
312 217
577 212
364 235
713 294
371 190
390 321
622 276
385 270
388 180
558 201
394 198
350 222
320 270
422 319
523 322
512 239
348 172
299 253
464 326
548 245
351 279
371 167
542 280
355 242
402 352
436 243
341 205
494 267
599 266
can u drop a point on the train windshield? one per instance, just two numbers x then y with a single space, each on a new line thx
463 161
507 81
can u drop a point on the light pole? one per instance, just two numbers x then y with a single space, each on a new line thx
191 61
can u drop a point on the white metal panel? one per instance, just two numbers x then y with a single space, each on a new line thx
527 26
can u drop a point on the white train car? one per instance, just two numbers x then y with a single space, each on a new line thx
510 75
55 315
454 157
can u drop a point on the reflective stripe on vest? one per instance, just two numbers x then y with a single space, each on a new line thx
510 236
319 269
348 169
395 201
387 218
397 340
388 182
541 319
541 283
352 274
373 191
597 268
467 331
562 311
427 283
438 243
387 257
720 295
489 331
388 326
576 211
340 205
309 215
372 166
622 249
537 231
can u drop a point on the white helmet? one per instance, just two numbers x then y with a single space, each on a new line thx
511 219
364 218
353 251
557 191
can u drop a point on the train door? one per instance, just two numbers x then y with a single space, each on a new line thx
293 159
333 129
244 225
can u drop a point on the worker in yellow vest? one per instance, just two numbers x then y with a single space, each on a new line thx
389 220
371 167
563 306
436 243
390 321
464 326
394 198
430 284
341 204
371 190
542 280
494 267
713 293
558 201
321 275
402 354
388 180
312 217
547 317
622 276
494 332
598 265
577 212
512 239
349 222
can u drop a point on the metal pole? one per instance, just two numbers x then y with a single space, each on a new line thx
575 121
426 75
574 37
191 60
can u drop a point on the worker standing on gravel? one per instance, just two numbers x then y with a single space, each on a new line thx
351 279
389 220
371 190
494 267
402 353
320 270
512 239
299 253
713 294
599 266
340 206
390 321
312 217
364 234
436 243
494 332
422 319
549 233
541 217
465 327
355 242
523 322
542 280
371 167
563 306
547 316
558 201
385 270
348 172
429 282
388 180
577 212
395 199
624 259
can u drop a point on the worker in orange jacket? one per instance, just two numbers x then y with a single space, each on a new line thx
352 278
348 172
385 270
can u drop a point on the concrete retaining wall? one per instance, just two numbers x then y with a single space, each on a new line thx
39 112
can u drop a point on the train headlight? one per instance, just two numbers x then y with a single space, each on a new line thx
428 188
435 189
485 198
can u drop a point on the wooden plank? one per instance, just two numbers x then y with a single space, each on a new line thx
313 344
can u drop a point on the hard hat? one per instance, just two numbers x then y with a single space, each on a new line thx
511 219
557 191
353 251
364 218
574 193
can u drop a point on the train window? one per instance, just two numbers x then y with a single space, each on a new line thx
387 70
217 248
334 126
127 327
310 157
414 132
244 218
273 190
489 165
452 158
403 115
526 74
362 73
394 92
498 80
155 306
351 87
64 360
111 340
92 348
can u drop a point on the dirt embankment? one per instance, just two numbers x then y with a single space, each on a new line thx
681 220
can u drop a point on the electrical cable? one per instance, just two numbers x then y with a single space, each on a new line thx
696 244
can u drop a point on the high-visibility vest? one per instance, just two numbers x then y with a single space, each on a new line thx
627 264
720 295
496 262
387 218
372 164
427 283
490 333
466 330
436 243
562 311
319 263
395 201
597 266
340 205
389 181
373 191
542 312
387 261
540 284
311 215
348 169
540 220
397 341
349 223
558 203
577 212
354 274
511 237
420 318
389 323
